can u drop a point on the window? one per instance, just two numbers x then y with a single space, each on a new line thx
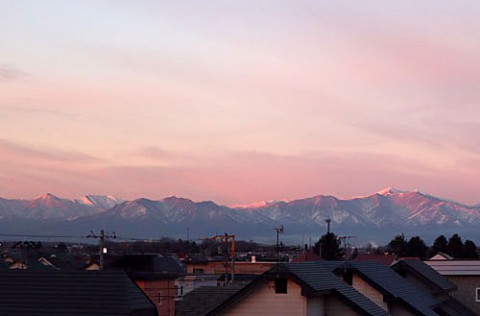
281 285
477 294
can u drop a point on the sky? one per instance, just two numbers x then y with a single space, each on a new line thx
239 101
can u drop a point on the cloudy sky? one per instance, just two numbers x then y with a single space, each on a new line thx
239 101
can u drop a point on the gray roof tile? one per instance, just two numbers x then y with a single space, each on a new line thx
41 292
392 284
425 272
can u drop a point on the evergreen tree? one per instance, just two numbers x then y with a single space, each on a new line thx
455 246
398 246
416 247
470 250
328 247
439 245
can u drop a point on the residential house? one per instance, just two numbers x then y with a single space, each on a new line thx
324 288
304 288
465 274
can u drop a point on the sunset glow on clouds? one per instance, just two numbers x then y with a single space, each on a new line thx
239 101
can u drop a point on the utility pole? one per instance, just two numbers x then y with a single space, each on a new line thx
102 249
279 231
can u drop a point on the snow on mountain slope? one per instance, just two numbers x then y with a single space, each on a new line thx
100 201
50 207
387 211
422 209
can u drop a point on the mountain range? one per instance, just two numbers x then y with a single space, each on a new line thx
376 217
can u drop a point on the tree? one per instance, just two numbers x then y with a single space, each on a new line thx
328 247
439 245
398 246
470 250
455 246
416 247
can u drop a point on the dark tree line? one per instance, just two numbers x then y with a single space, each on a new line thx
329 247
416 247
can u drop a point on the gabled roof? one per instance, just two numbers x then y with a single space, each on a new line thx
42 292
442 256
393 286
425 273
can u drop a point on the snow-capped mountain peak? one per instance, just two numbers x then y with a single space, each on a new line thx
390 191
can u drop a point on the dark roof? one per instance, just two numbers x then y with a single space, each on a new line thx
148 263
393 286
454 307
204 299
425 273
38 293
66 261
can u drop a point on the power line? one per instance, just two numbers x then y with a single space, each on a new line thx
40 236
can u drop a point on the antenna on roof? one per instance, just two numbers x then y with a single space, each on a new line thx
328 220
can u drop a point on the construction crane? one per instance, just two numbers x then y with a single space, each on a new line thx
224 239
